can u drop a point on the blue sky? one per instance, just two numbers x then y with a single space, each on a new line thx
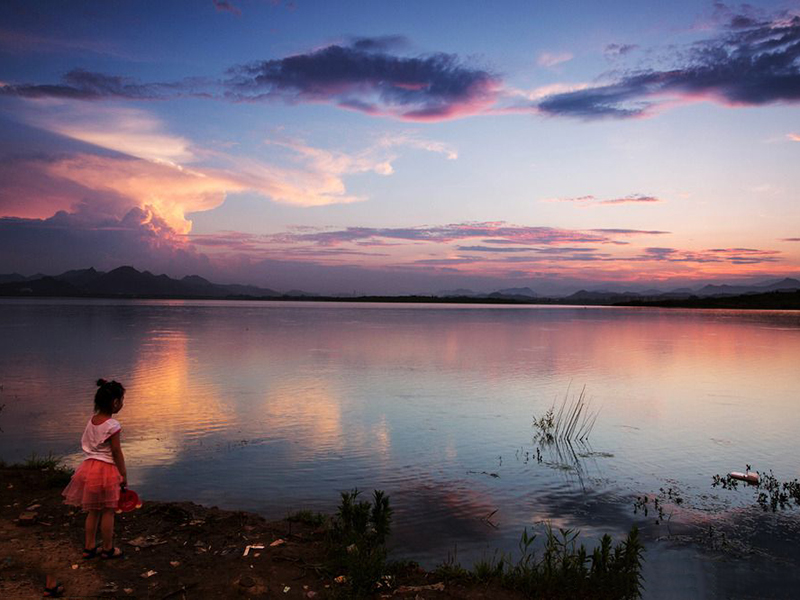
403 147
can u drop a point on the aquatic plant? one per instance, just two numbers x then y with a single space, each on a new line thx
659 504
572 421
564 570
771 493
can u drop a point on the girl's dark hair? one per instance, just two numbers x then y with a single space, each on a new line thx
107 392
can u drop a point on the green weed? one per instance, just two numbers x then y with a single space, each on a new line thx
307 517
358 537
564 569
57 475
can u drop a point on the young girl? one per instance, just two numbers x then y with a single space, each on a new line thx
95 486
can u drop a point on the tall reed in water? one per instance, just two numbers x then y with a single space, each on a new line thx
573 421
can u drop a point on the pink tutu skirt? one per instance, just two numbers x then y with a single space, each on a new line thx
94 486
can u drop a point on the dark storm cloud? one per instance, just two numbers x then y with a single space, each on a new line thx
753 62
364 77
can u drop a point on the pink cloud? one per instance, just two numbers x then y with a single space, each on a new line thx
592 200
552 59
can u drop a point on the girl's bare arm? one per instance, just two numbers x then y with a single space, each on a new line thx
119 457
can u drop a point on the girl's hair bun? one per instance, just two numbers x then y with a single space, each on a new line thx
101 382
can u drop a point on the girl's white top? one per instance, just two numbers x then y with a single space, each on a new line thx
95 441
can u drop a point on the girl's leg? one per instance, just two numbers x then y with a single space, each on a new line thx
92 518
107 528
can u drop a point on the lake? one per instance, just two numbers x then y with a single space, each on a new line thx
273 407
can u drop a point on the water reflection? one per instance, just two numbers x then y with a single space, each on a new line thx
269 406
307 410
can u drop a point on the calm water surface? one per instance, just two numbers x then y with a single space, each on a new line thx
275 406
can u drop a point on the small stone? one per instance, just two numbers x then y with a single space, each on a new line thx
175 563
74 567
277 542
28 518
148 574
311 594
128 590
286 589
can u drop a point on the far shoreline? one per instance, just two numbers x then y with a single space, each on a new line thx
777 300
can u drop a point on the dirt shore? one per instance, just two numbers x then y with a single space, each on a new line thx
176 550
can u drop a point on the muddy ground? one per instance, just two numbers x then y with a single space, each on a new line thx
178 550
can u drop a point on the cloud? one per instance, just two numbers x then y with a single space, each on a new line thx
412 140
795 137
537 94
736 256
381 43
111 159
752 62
70 240
632 231
617 50
127 130
592 200
546 250
224 6
632 199
80 84
364 77
19 42
794 239
552 59
498 233
175 191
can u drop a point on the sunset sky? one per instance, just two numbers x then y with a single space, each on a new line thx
399 147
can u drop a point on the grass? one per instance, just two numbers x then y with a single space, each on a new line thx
57 474
573 420
307 517
51 461
564 569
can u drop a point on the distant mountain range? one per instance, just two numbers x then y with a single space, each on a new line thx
127 282
652 295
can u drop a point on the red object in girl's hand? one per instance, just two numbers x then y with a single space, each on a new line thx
128 501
